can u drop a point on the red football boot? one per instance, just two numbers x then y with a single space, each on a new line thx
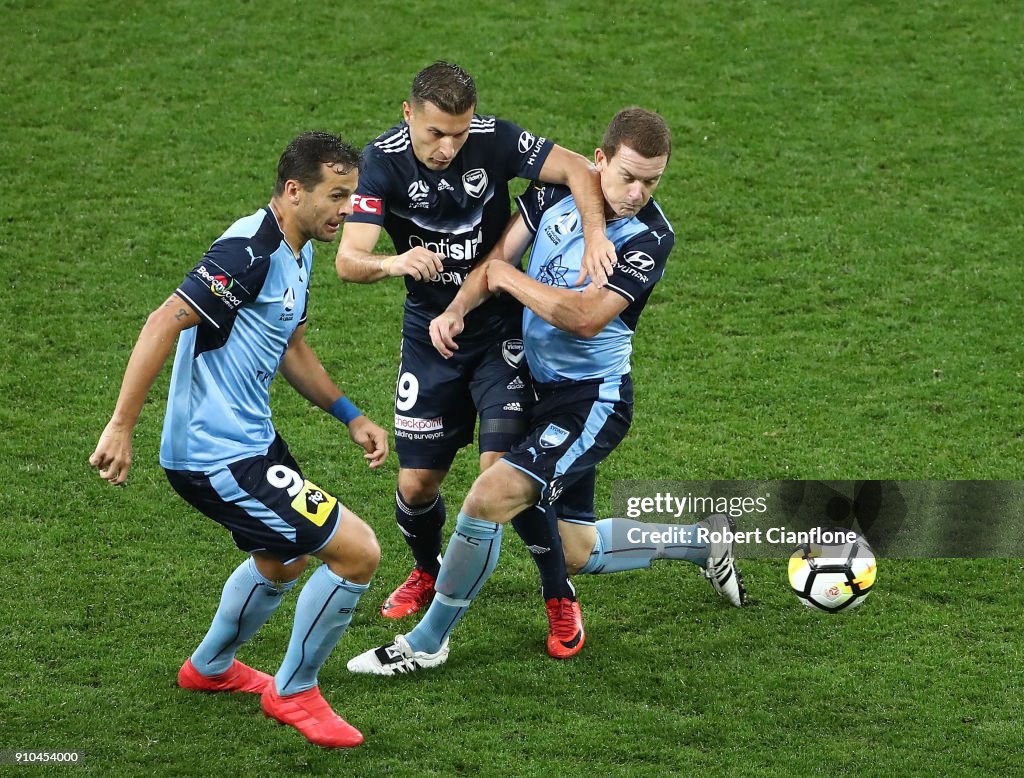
237 678
310 713
413 595
565 628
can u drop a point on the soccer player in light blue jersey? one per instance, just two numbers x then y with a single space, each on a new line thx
239 318
578 342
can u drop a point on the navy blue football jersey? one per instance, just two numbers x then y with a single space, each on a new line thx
642 245
459 212
251 294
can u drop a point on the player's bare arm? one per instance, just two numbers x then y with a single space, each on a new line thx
575 171
301 368
583 314
509 250
356 261
113 454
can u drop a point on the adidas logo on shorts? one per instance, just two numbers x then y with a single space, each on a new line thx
512 407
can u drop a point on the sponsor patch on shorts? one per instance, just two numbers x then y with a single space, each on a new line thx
413 424
314 503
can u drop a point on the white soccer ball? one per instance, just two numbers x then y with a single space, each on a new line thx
835 574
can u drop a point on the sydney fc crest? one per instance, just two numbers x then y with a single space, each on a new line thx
553 436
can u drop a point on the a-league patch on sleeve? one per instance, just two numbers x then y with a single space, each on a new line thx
314 503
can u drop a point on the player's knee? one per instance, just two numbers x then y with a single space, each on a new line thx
487 502
276 571
363 564
574 561
479 503
417 495
577 543
416 488
499 494
354 554
371 554
295 568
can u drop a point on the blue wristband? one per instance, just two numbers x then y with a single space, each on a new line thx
344 410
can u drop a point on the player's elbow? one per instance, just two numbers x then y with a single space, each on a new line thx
587 326
166 321
343 264
155 318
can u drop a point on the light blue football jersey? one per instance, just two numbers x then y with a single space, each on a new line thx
642 245
251 293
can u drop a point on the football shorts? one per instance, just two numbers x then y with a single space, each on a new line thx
574 427
265 502
437 400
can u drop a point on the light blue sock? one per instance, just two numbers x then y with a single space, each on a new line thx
322 614
468 562
246 603
623 544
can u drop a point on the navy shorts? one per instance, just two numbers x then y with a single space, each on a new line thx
265 502
437 400
574 427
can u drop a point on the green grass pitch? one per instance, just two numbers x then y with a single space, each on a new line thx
844 302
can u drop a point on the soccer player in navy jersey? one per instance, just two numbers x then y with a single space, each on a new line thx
239 318
437 183
578 344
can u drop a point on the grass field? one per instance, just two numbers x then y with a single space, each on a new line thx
844 303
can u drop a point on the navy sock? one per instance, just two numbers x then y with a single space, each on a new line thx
539 530
623 544
247 601
322 614
421 526
469 560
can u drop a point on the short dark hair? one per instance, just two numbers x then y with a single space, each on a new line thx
643 131
304 158
447 86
